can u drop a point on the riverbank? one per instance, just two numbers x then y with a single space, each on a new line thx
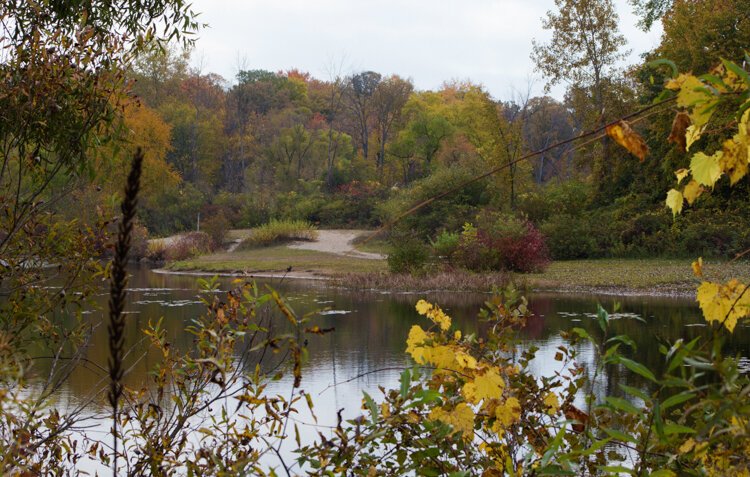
335 258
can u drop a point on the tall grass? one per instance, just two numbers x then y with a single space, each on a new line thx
117 293
279 231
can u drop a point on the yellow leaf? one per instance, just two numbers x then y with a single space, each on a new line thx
687 446
724 304
624 135
694 95
508 412
442 357
461 418
466 360
552 402
674 201
414 344
706 169
735 157
692 134
692 191
423 307
489 385
681 174
440 318
698 267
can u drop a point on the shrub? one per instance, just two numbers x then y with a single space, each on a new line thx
215 224
568 237
278 231
445 244
502 242
179 247
408 256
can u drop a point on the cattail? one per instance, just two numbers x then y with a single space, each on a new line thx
117 294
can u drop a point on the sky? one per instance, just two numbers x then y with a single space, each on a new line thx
428 41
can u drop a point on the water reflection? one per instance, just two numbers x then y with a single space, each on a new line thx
371 328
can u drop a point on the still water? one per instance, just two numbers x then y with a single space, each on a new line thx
367 348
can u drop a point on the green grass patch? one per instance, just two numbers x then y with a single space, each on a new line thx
279 231
632 274
376 245
277 259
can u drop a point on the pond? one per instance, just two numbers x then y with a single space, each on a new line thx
367 348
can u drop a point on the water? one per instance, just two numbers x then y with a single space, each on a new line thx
367 348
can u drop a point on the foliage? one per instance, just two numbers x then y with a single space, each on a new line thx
501 242
407 255
445 244
277 231
179 247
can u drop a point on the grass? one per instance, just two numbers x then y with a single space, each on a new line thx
376 245
278 231
276 259
656 275
454 281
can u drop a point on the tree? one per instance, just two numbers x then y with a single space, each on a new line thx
650 11
62 84
389 99
697 35
583 52
359 92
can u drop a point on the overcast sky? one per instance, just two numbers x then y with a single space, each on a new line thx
429 41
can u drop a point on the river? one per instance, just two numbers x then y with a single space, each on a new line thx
367 348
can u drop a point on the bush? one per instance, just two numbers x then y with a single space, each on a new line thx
569 237
278 231
445 244
180 247
502 242
215 223
408 256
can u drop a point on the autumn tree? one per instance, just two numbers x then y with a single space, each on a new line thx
650 11
583 53
389 99
697 35
548 122
426 127
359 93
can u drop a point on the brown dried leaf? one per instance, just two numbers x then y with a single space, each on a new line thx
624 135
679 129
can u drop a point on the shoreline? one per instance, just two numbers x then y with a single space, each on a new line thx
676 290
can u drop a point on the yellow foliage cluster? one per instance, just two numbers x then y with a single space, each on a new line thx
726 303
701 99
484 402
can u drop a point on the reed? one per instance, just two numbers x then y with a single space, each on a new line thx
117 294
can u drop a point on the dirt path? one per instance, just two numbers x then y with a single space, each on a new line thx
338 242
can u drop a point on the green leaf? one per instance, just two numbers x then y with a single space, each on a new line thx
617 469
596 446
736 69
624 339
664 62
602 317
619 435
674 201
554 445
405 383
663 473
622 405
670 429
706 170
370 403
635 392
638 368
677 399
